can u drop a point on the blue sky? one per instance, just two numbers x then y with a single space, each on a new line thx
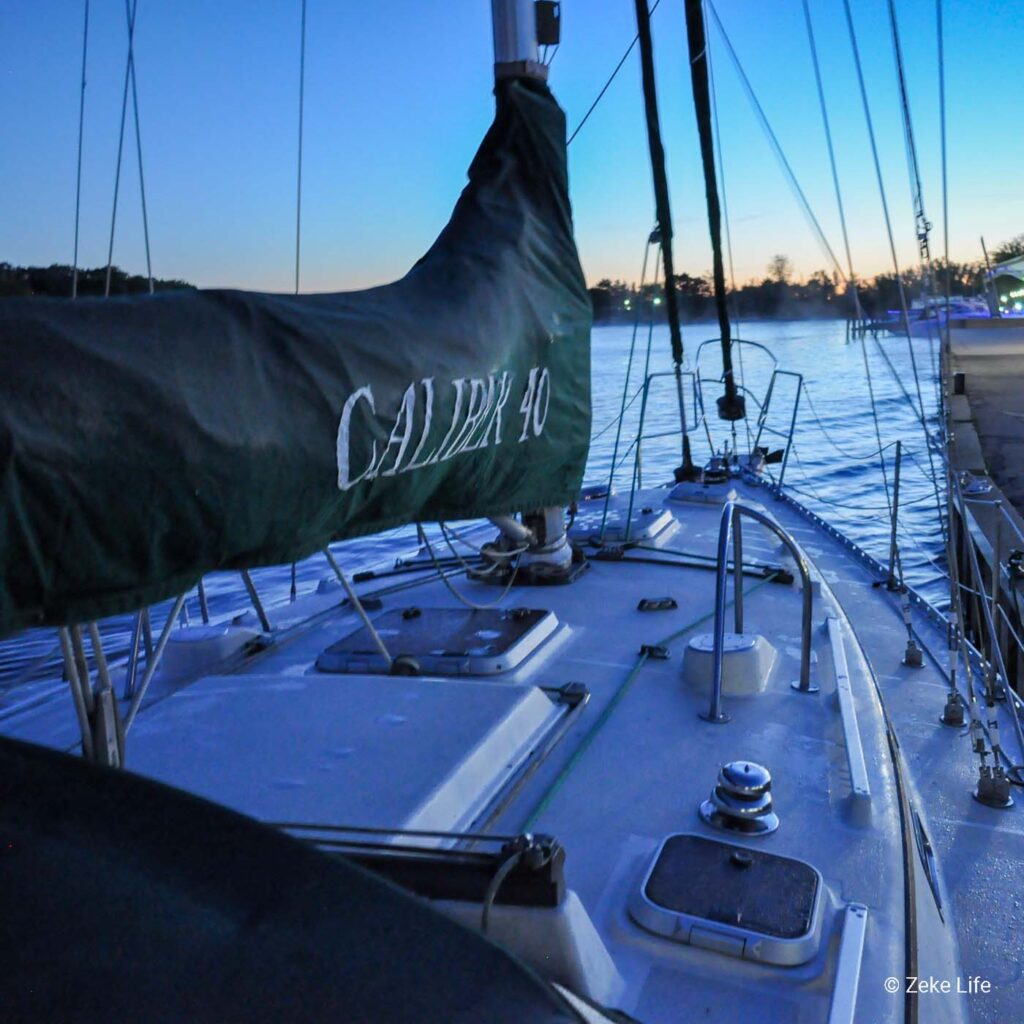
398 97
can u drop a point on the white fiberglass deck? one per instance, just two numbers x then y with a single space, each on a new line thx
299 748
282 741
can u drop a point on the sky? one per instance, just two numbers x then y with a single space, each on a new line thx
398 97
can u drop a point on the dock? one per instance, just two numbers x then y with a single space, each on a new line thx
985 389
990 397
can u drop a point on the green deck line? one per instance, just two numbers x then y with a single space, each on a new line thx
606 714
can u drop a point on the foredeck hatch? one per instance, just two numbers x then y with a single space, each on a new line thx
732 899
717 881
444 641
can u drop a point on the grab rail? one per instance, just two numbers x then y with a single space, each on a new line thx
730 528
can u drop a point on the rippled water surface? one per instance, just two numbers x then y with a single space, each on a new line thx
833 467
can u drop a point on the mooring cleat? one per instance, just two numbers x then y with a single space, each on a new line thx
953 712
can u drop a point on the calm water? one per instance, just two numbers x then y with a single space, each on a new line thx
834 466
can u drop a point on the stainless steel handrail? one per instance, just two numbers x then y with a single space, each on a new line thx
730 528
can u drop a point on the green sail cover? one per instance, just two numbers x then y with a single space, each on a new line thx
147 440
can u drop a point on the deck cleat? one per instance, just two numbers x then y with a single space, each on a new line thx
742 800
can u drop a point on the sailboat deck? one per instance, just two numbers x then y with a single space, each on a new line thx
507 751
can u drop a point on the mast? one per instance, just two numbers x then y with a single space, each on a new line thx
521 27
515 23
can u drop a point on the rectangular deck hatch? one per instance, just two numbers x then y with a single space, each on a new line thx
383 752
647 525
444 641
733 899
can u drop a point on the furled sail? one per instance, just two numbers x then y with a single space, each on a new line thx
147 440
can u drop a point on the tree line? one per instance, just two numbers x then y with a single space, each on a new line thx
779 295
55 280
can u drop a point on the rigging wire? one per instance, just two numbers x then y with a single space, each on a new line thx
611 78
944 339
293 592
625 385
131 12
728 239
138 137
776 145
637 481
874 420
859 506
616 419
942 147
663 211
120 152
852 282
956 626
895 260
78 174
921 222
298 176
922 225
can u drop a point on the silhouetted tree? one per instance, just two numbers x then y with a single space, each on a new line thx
55 281
1008 250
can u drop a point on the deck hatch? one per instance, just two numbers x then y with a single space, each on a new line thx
647 525
445 641
370 751
753 904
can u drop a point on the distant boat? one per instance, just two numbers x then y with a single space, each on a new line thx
929 314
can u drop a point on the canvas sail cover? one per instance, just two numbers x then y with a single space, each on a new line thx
147 440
